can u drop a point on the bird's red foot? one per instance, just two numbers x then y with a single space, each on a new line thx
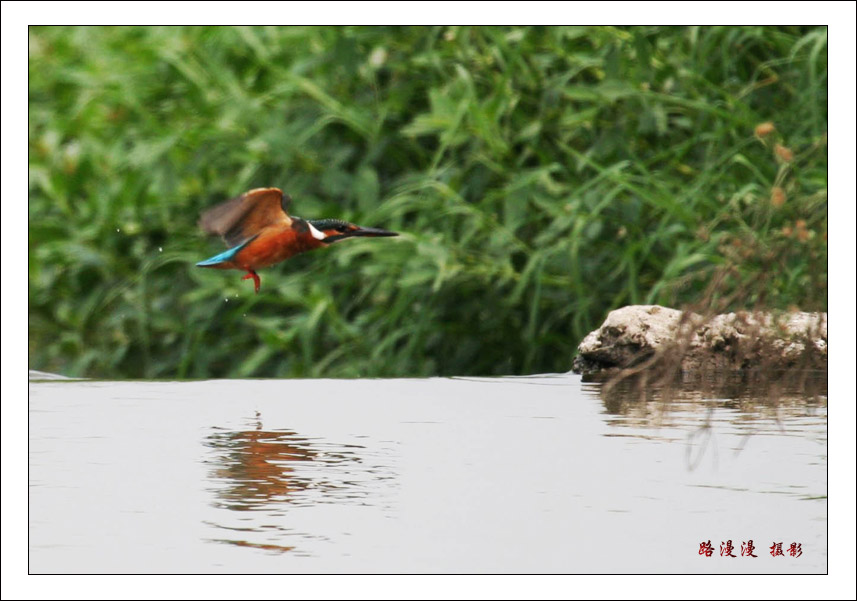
257 281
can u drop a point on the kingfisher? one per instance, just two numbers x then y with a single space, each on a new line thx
259 232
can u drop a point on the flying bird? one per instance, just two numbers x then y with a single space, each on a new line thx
259 232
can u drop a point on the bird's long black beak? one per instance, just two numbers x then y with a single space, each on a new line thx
369 232
372 232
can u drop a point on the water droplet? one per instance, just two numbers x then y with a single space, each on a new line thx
226 299
117 230
160 250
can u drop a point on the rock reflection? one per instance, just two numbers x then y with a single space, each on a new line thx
689 408
747 397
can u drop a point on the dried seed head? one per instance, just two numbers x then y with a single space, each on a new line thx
784 153
778 197
764 129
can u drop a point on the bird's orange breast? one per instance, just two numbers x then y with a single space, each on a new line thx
274 245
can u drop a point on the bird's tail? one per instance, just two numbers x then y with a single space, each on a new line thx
226 255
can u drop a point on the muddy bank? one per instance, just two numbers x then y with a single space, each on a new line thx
634 335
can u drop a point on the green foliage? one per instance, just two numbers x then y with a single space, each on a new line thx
540 177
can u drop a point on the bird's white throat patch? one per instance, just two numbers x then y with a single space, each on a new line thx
315 233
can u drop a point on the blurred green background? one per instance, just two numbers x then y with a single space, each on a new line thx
541 176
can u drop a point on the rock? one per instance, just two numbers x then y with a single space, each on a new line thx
744 340
43 376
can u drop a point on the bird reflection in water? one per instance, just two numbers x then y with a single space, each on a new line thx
265 473
258 466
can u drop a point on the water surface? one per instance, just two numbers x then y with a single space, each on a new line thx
538 474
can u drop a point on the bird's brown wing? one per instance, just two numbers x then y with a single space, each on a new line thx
245 216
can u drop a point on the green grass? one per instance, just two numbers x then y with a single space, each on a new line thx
540 177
